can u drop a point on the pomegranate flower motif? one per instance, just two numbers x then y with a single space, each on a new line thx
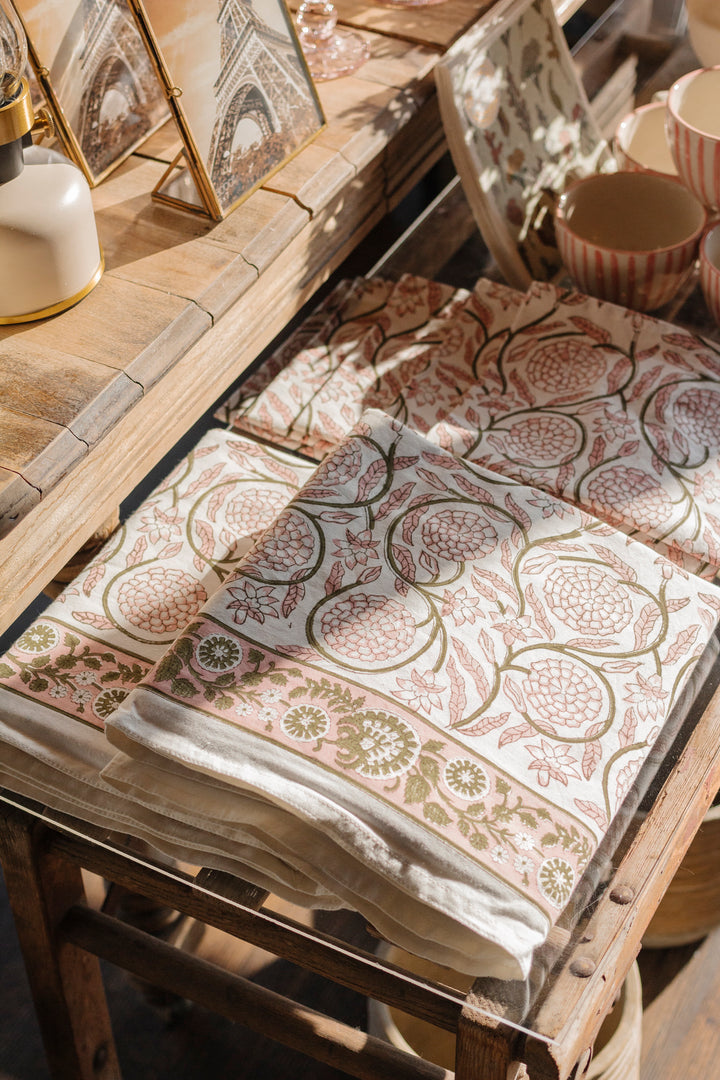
356 548
553 763
421 690
647 695
252 601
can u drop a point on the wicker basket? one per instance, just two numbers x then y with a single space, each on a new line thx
616 1054
690 908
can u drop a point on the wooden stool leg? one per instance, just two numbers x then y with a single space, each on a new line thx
65 981
483 1049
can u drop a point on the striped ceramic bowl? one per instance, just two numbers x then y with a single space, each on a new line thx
629 237
693 131
710 270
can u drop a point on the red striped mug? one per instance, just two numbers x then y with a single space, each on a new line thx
629 237
693 131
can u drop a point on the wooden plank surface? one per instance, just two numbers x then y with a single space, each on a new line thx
67 390
17 499
436 24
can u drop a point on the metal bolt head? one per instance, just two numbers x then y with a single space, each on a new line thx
622 894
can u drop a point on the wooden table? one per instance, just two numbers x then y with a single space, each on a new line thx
89 402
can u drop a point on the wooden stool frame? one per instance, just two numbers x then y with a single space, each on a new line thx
61 938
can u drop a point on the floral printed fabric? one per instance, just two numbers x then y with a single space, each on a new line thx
614 411
409 348
448 682
518 125
72 668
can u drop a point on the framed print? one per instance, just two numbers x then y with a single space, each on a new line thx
242 96
94 70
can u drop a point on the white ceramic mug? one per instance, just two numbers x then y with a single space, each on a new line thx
693 130
629 237
640 142
710 270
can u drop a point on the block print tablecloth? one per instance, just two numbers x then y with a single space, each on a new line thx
77 662
409 348
617 412
441 683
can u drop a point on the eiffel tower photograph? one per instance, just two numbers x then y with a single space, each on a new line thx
101 78
246 95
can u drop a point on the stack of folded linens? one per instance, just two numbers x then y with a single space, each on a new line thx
427 689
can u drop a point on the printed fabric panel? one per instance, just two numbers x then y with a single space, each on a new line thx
68 672
617 412
409 347
441 684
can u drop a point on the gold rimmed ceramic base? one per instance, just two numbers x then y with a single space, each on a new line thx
62 305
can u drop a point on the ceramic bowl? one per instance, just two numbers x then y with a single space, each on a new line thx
703 23
710 270
629 237
693 131
640 143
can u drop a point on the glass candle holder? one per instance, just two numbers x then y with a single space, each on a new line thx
330 52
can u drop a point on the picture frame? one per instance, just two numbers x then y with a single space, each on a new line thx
94 71
240 91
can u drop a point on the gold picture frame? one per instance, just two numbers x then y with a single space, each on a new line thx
239 90
94 71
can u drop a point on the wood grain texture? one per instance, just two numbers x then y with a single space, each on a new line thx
67 390
436 25
41 451
131 327
571 1012
65 981
17 498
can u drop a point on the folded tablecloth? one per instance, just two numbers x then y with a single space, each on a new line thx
433 686
409 347
77 662
614 411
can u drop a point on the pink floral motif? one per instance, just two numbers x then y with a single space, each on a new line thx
160 524
341 467
462 606
254 508
648 696
458 534
356 548
366 627
252 601
542 437
623 493
561 692
289 543
566 366
588 599
160 599
696 412
707 486
514 629
423 690
552 762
